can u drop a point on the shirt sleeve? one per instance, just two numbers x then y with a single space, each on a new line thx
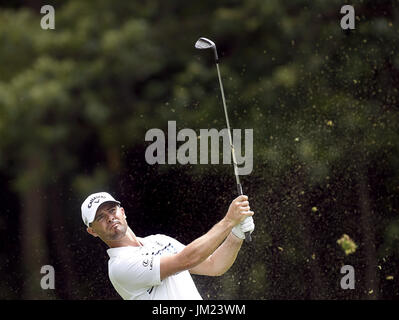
177 246
135 273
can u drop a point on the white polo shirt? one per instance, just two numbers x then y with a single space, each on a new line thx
135 271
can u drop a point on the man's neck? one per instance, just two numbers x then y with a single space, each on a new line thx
129 239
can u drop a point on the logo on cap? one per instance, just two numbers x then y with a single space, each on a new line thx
95 199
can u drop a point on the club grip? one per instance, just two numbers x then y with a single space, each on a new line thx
239 189
248 237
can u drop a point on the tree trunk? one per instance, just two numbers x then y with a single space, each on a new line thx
60 245
33 237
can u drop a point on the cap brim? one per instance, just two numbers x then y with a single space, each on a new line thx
99 205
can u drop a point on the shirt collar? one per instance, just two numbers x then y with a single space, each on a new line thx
114 252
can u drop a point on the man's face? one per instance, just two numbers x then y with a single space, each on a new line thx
109 222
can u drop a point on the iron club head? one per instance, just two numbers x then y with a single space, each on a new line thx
205 43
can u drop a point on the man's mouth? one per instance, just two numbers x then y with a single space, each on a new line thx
114 224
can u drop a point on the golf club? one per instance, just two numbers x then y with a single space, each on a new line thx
204 43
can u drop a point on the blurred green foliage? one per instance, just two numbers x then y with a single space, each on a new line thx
76 102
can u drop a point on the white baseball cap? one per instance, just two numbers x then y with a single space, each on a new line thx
91 204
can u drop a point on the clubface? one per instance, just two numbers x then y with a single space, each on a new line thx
204 43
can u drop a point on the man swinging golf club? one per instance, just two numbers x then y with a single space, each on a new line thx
158 267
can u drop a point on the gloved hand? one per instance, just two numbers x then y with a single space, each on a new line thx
246 225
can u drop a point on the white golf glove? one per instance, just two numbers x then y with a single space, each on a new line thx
246 225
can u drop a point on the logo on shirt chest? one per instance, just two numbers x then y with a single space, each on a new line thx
148 262
157 249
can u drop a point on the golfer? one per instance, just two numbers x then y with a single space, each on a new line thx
158 267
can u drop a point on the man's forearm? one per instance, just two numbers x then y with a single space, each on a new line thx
202 247
224 256
222 259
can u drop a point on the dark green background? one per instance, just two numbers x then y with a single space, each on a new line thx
76 102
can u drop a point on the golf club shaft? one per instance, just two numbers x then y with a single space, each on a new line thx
239 187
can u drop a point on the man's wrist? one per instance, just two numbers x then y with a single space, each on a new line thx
236 236
228 223
237 232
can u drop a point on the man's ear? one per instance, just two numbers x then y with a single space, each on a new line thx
92 232
123 211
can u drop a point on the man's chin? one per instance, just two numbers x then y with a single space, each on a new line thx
118 232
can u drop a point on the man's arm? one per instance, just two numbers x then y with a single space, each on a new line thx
221 260
201 248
